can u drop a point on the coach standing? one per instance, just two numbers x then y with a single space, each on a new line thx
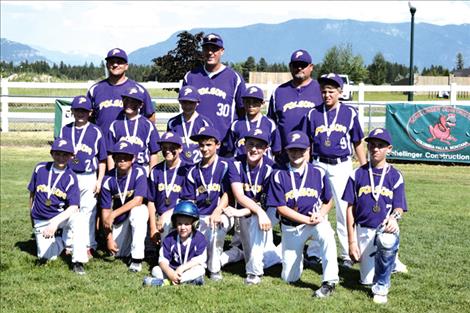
219 86
105 95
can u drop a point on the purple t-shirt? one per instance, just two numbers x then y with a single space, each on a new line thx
170 252
175 125
106 101
346 132
64 194
206 194
220 95
314 193
144 141
237 173
358 193
235 142
110 198
92 149
288 105
156 192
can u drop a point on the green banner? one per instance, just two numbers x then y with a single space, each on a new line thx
435 133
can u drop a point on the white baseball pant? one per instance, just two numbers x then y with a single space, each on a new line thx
130 234
188 275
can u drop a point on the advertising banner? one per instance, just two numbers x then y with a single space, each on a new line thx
433 133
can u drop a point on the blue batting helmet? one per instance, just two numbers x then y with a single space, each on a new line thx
185 208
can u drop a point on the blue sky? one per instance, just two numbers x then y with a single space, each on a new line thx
96 26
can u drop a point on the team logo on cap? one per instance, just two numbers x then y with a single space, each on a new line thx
123 145
133 91
168 135
81 100
378 131
201 130
187 91
330 75
212 36
258 132
62 142
252 90
115 51
298 54
295 137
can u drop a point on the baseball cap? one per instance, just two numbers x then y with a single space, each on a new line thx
123 147
117 53
259 134
206 132
213 39
297 139
81 102
331 78
253 92
300 56
381 134
171 138
64 145
188 93
134 92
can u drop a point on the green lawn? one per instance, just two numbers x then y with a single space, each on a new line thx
435 236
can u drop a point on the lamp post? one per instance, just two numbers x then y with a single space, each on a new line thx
411 78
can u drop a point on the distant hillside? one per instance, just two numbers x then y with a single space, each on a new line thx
434 45
16 52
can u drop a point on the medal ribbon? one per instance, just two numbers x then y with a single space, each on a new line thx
214 165
302 183
178 246
54 184
122 196
82 135
187 133
376 195
136 126
254 188
258 122
169 188
329 128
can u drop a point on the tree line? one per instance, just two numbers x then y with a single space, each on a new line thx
187 54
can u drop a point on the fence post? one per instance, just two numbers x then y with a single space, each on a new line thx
5 105
360 107
453 93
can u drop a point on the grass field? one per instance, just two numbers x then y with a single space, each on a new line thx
435 247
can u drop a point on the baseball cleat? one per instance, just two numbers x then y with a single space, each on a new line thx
311 261
216 276
152 281
325 290
197 281
252 279
379 299
78 268
347 263
399 267
135 267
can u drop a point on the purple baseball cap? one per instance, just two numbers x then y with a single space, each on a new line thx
206 132
81 102
135 92
117 53
381 134
297 139
170 138
301 56
258 133
253 92
64 145
213 39
331 79
188 93
123 147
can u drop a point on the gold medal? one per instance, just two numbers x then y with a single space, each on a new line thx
327 142
167 201
201 189
48 202
76 161
376 208
188 154
295 207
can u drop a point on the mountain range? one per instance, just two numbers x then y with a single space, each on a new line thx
434 44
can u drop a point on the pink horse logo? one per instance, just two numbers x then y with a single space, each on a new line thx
441 130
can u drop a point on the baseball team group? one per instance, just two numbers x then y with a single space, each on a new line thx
226 167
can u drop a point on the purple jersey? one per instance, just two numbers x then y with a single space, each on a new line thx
191 154
288 106
64 190
144 138
259 177
157 186
91 149
171 254
358 193
107 105
110 198
220 95
206 191
346 131
314 193
239 129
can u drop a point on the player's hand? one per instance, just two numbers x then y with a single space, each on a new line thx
354 251
112 246
391 225
215 219
230 211
315 218
49 231
108 221
264 221
174 278
97 188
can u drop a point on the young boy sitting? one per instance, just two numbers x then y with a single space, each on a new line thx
375 193
183 253
123 213
54 200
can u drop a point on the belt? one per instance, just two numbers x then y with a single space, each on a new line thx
332 161
288 222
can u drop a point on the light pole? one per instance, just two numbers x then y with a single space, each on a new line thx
411 78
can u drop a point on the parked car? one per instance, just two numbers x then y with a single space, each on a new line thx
347 94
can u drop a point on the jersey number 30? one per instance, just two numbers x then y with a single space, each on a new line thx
224 109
